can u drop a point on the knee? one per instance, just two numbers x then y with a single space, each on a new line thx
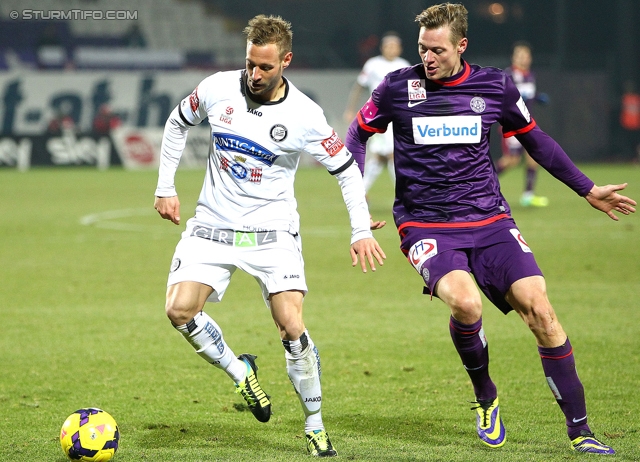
176 314
542 321
291 330
466 308
179 311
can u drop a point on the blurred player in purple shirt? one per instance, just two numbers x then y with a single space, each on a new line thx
512 150
452 218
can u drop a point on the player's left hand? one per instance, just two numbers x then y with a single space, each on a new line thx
606 199
367 249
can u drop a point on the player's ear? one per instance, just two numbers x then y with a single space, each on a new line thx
462 45
287 59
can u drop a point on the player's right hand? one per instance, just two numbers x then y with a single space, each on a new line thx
168 208
367 249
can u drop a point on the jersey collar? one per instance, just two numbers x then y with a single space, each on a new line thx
244 89
458 78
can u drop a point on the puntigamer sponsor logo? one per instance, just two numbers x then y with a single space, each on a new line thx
447 130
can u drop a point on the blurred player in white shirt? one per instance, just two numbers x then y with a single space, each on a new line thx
246 215
380 147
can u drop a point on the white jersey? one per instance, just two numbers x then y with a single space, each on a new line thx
254 153
376 68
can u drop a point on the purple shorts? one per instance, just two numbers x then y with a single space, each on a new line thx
496 254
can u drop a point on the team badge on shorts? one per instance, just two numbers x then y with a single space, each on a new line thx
175 264
421 251
523 245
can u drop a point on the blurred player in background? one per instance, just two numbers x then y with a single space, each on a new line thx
453 220
630 120
380 146
512 150
246 215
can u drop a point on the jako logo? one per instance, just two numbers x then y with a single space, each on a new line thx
447 130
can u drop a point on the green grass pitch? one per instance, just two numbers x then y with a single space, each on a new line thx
82 282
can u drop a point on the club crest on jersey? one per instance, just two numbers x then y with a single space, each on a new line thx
477 104
421 251
416 89
194 101
333 144
278 133
518 237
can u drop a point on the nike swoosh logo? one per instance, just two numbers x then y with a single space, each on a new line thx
578 420
411 103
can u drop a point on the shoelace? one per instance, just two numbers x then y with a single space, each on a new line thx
320 439
485 414
246 394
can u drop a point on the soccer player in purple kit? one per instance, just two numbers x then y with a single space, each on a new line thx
453 220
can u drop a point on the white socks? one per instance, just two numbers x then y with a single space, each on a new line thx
303 363
303 367
205 336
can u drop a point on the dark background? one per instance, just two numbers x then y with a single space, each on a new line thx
584 51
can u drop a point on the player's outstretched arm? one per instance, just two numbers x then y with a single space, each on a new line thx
168 208
607 200
367 249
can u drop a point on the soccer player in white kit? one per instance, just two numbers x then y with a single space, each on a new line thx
380 145
246 215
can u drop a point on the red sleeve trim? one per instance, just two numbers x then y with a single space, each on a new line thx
462 224
526 129
366 127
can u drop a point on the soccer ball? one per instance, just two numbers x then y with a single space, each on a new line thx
90 435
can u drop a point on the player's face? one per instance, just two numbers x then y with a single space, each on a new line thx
391 49
264 70
440 57
521 58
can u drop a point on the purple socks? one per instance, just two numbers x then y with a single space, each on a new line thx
471 345
560 370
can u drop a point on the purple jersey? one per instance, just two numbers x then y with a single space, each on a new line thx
444 173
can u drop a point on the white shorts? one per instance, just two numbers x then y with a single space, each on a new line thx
381 144
211 256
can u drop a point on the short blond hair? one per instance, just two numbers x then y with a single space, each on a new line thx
453 15
263 30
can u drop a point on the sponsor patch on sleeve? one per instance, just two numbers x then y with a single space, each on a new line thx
194 101
368 111
523 109
333 144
